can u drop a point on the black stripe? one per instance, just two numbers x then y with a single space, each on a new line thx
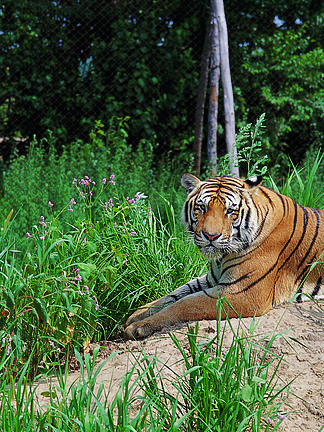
190 288
213 274
247 219
268 198
199 285
301 238
312 242
317 287
306 269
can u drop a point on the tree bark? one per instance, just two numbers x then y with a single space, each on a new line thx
200 107
214 92
227 88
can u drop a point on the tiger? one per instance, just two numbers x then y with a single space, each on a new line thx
264 250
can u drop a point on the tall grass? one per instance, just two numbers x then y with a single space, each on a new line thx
221 389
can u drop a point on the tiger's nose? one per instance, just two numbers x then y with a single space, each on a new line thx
210 237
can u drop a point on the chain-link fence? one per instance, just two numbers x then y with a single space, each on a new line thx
65 64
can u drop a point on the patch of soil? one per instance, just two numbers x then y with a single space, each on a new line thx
300 329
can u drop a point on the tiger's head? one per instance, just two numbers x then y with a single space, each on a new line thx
220 213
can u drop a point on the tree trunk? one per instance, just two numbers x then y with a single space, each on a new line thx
214 91
200 107
227 88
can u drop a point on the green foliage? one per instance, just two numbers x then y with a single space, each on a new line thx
66 66
30 182
249 145
98 61
304 185
285 69
116 253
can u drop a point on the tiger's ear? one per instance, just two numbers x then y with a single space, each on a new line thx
253 182
189 182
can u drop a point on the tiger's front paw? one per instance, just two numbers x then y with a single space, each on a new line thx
137 331
138 315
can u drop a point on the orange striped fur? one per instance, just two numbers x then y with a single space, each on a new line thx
262 246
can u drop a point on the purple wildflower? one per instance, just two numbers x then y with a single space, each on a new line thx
85 239
104 181
80 293
78 278
281 416
87 289
137 197
96 303
70 208
132 233
74 181
28 235
41 238
72 201
50 204
111 179
52 344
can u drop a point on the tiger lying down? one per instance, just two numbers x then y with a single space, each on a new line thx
261 246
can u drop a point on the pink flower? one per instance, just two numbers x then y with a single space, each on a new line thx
137 197
78 278
133 233
104 181
41 238
52 344
28 235
80 293
96 303
85 240
281 416
111 179
87 289
74 181
70 208
50 204
72 201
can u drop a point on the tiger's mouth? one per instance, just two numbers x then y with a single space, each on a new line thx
211 251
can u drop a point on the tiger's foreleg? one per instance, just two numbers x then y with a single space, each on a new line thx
196 285
197 306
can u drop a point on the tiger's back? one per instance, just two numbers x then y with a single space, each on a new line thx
263 249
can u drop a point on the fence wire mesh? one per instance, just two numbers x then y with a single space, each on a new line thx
65 64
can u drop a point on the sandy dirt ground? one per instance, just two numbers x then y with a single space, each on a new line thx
301 341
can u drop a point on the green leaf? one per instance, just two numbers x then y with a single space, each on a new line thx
246 393
40 307
86 269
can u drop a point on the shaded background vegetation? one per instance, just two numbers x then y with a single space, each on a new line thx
66 64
